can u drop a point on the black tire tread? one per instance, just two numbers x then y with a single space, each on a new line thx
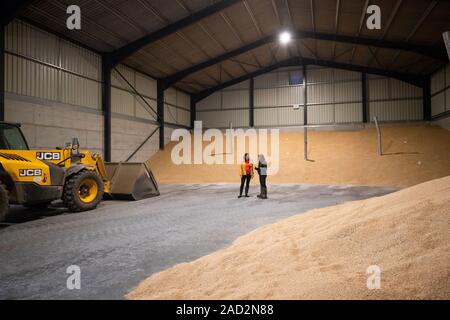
4 201
69 193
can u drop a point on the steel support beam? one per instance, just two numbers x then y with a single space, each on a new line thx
296 61
251 106
305 112
106 107
193 111
365 101
426 93
122 53
430 51
160 110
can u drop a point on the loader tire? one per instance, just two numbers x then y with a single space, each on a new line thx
83 191
4 202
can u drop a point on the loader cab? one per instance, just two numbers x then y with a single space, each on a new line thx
11 137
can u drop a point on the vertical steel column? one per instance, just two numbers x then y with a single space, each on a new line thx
364 97
426 93
193 110
251 118
160 110
305 113
2 73
106 106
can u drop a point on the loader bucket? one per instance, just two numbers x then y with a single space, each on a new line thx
134 181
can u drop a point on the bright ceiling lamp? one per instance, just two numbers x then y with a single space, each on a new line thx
285 37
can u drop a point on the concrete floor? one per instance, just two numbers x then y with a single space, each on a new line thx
121 243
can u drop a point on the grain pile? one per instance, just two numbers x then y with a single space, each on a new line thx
412 155
324 254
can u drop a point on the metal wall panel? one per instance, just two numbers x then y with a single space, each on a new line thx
235 99
80 60
321 114
118 81
379 89
184 117
142 110
347 91
170 96
396 110
265 97
146 85
288 116
438 104
288 96
438 80
24 39
400 89
320 93
319 75
241 85
345 75
79 91
222 119
266 117
447 99
348 112
122 102
212 102
183 100
267 80
28 78
170 113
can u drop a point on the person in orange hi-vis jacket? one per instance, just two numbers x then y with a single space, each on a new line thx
246 171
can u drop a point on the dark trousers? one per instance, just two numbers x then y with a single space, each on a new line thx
245 180
262 182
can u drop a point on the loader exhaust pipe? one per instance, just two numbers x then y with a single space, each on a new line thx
131 181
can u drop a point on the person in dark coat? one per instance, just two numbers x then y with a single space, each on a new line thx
262 171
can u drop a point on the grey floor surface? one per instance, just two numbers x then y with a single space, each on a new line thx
121 243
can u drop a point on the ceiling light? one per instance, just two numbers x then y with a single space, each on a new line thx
285 37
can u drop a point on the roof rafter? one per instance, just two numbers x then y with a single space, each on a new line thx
431 51
122 53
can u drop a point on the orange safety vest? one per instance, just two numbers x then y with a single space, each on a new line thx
243 169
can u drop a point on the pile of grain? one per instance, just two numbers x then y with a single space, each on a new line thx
324 254
412 155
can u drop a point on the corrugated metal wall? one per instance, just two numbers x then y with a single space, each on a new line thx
125 101
42 65
225 107
393 100
440 91
334 97
39 64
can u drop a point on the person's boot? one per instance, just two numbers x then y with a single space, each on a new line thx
260 193
246 192
264 193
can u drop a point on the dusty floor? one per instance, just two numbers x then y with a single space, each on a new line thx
326 254
411 155
120 243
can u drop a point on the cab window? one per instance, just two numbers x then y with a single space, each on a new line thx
11 138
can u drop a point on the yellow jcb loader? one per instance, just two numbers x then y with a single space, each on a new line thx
35 178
